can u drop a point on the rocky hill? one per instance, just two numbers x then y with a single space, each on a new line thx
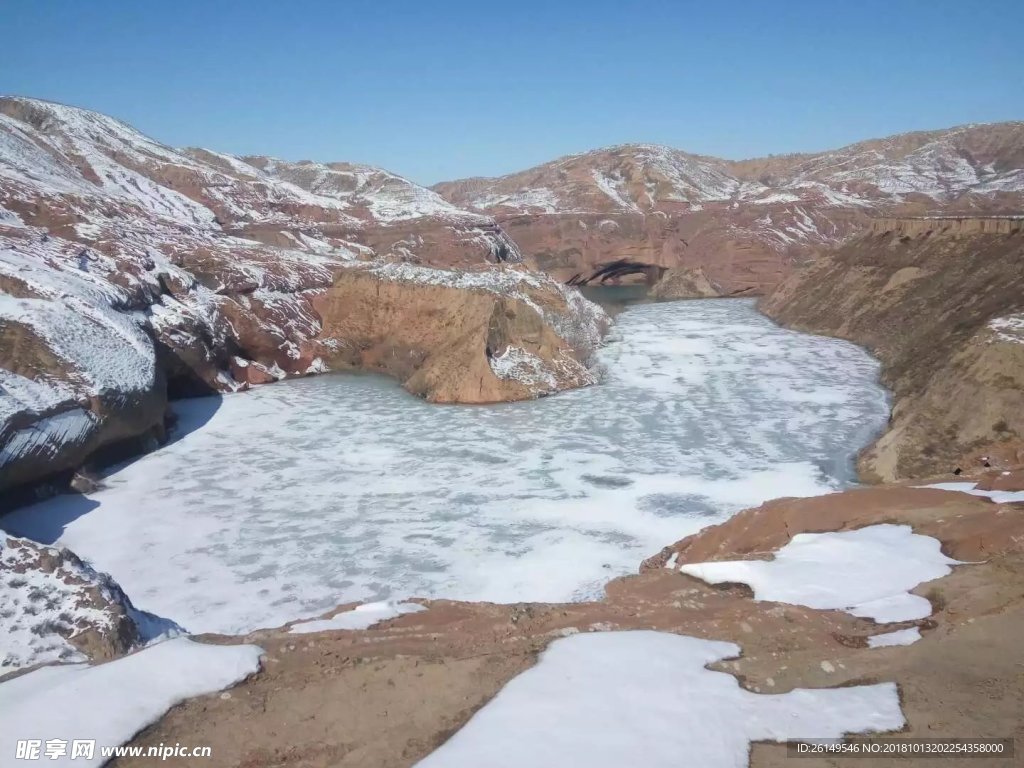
79 172
941 302
131 272
745 223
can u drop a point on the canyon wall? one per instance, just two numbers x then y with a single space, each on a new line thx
473 337
132 273
747 223
941 303
574 246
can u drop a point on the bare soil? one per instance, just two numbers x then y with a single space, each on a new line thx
389 695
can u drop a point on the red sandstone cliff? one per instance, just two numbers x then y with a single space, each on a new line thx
747 223
131 272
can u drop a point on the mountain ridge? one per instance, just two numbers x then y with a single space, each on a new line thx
728 160
747 223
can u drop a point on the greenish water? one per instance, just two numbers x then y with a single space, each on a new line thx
615 297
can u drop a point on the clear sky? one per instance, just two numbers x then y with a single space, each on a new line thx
437 90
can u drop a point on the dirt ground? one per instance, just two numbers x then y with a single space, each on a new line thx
386 697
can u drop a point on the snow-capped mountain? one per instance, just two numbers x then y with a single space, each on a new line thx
746 222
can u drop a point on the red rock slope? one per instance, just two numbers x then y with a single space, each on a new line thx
745 223
130 272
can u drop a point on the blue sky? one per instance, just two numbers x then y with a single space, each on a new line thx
439 90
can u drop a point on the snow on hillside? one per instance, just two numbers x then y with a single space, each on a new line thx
542 200
76 313
388 197
48 597
942 165
86 142
59 151
24 162
687 178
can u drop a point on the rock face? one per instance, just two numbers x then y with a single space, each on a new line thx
54 607
686 283
131 272
746 223
506 335
941 303
479 336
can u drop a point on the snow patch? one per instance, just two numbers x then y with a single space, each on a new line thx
999 497
613 186
515 364
112 702
613 699
537 200
867 572
361 617
899 637
1009 328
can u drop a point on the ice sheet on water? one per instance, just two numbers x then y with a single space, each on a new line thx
297 497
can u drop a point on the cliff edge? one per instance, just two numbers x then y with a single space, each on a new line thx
941 302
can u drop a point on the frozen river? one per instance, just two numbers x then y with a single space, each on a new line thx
283 502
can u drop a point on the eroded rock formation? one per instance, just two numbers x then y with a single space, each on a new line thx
687 283
747 223
54 607
941 303
469 337
131 272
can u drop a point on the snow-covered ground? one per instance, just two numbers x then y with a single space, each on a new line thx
361 617
613 699
41 607
999 497
867 572
907 636
297 497
110 703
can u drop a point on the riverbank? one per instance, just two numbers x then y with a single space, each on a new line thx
941 304
286 500
420 677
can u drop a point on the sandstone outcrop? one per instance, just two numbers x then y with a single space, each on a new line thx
747 223
478 336
941 303
684 283
131 272
54 607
